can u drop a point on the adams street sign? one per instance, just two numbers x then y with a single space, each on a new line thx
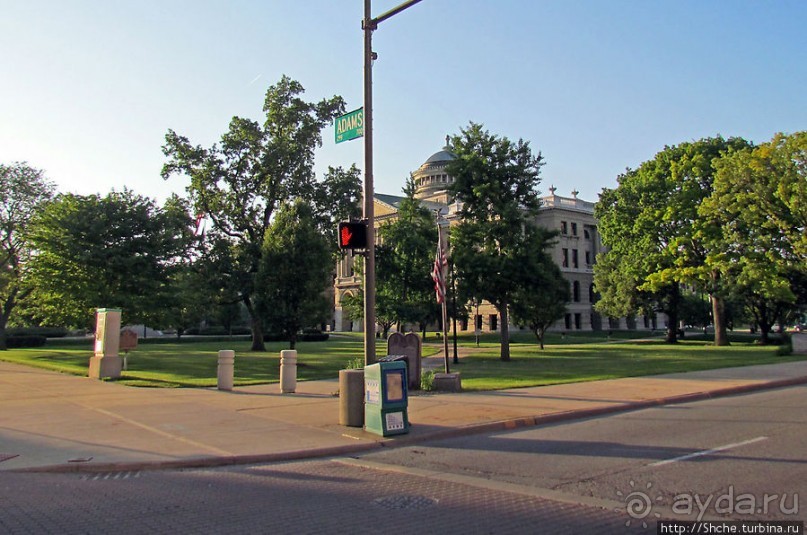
349 126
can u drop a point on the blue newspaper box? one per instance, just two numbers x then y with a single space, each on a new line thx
385 398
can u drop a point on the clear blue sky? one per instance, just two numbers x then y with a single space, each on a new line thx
89 87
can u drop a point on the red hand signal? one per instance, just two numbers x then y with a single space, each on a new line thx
346 235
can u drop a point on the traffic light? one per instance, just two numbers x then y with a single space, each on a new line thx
353 235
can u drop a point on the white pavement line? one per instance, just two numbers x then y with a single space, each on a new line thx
709 452
488 484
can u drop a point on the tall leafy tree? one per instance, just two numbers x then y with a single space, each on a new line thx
23 190
240 182
112 251
543 294
295 271
655 236
495 182
403 262
759 208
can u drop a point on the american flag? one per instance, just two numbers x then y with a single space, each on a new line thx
439 270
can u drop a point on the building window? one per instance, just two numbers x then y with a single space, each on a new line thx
591 297
577 321
575 262
576 291
586 234
568 321
494 322
563 229
479 322
588 258
574 229
565 257
464 324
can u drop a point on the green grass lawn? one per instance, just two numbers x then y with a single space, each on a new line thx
572 358
596 361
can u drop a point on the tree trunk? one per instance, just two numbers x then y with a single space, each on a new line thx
672 315
293 341
505 355
719 317
257 327
539 334
5 313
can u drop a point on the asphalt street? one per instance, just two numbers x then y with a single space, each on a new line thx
609 475
310 497
741 457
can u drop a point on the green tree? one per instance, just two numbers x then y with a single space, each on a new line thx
543 294
113 251
759 208
24 190
404 260
337 199
240 183
655 236
294 273
495 180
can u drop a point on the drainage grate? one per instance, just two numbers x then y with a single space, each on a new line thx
107 476
7 456
405 501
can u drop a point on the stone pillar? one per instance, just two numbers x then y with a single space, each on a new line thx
105 361
226 369
288 371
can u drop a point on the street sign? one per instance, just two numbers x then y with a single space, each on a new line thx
349 126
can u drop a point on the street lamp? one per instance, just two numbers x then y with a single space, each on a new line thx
369 24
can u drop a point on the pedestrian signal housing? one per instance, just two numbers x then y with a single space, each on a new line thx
353 235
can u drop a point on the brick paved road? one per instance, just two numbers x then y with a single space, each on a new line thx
304 497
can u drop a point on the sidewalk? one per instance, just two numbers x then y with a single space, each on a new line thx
55 422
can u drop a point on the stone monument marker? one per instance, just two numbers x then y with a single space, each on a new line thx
410 346
106 362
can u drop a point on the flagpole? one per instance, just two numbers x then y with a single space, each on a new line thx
445 336
440 286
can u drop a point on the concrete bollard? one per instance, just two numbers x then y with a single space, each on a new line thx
226 366
288 371
351 398
799 343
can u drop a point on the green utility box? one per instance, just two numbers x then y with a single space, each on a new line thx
385 398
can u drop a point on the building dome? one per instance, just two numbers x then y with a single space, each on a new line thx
431 178
441 156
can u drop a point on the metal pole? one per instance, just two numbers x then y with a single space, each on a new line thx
369 24
454 308
369 214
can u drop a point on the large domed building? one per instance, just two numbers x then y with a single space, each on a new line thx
574 251
431 178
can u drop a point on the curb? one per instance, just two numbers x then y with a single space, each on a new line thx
408 440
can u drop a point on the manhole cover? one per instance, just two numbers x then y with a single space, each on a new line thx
405 501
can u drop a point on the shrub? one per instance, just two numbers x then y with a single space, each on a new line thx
315 337
427 380
47 332
29 340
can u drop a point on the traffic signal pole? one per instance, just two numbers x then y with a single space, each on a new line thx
369 24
